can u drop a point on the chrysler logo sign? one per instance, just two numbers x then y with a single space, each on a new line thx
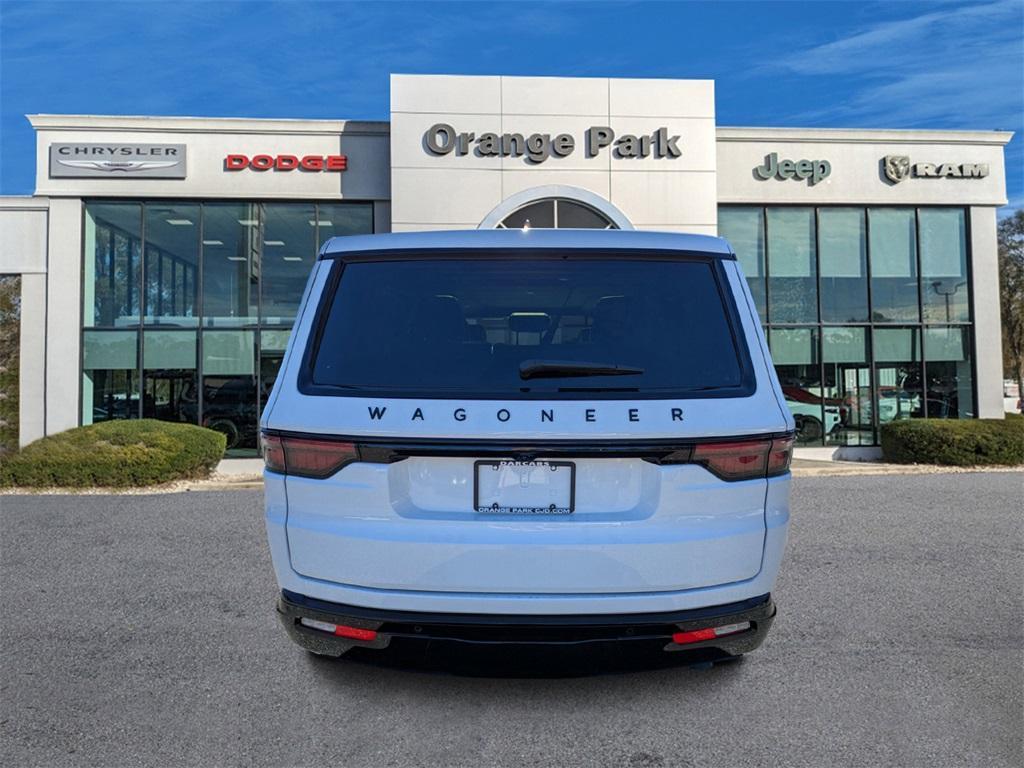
155 161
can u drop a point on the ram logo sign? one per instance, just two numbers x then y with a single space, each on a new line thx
898 167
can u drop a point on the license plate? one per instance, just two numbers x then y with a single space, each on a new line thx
525 487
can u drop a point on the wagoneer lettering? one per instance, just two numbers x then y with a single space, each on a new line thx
526 436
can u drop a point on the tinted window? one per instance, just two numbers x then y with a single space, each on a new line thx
437 326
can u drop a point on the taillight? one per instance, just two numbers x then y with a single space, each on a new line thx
780 456
306 457
734 461
745 460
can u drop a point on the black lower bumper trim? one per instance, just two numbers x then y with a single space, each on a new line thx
569 629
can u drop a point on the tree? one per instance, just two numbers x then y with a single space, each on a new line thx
1011 295
10 327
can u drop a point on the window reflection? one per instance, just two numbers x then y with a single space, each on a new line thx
898 373
943 264
792 281
110 383
744 229
230 263
947 353
229 388
848 385
843 253
916 258
218 247
113 244
336 220
893 249
172 264
795 353
169 376
289 248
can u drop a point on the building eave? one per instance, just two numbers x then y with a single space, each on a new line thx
862 136
238 125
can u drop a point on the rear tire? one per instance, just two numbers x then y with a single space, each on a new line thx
808 429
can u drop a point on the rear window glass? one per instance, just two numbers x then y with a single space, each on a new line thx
521 326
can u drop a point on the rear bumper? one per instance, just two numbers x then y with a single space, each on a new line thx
489 629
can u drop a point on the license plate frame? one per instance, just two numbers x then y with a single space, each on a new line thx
550 510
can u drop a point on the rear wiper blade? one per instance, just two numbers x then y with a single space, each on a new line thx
552 369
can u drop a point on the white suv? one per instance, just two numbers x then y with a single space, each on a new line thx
527 436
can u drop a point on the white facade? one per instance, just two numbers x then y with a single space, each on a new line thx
412 186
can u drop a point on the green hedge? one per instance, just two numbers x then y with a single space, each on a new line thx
955 442
115 454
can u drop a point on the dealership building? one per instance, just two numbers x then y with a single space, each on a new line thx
162 259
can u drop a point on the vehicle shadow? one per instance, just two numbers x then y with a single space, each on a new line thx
517 661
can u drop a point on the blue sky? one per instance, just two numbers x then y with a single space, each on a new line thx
843 64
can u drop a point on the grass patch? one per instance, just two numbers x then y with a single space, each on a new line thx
955 442
115 454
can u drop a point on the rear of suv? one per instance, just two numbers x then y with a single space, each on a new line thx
527 436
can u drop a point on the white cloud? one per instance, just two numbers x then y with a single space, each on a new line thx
955 67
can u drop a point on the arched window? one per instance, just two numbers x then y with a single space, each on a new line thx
556 213
554 206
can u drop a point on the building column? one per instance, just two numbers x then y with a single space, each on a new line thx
64 315
987 327
32 359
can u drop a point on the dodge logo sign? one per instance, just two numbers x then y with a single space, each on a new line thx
314 163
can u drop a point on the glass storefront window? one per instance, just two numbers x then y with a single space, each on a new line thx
231 265
795 353
229 388
172 264
847 389
169 376
877 266
272 346
110 375
943 264
744 229
898 373
337 219
948 372
289 248
113 246
792 273
842 251
893 249
189 264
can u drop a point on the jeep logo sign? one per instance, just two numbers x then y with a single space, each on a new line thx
443 139
812 170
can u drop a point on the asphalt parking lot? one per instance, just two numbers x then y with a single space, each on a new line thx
139 630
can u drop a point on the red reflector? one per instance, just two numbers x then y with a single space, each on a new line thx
734 461
355 634
694 636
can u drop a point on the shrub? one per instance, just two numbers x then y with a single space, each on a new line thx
115 454
954 442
